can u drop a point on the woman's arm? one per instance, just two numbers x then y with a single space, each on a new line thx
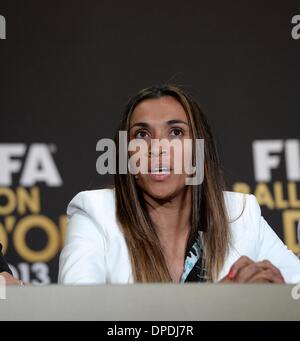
82 260
273 263
270 247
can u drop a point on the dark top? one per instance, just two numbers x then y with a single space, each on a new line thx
194 265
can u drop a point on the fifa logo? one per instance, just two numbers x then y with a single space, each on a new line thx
2 27
268 155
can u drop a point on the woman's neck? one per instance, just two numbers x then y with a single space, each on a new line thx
171 218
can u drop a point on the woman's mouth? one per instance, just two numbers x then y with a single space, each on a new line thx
160 173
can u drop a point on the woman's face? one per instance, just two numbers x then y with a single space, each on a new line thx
162 118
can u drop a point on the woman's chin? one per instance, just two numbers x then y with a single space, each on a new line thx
162 188
162 192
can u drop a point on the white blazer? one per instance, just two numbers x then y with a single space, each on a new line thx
95 250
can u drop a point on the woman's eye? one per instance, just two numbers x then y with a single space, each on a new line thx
176 132
141 134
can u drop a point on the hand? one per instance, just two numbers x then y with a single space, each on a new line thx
245 270
10 280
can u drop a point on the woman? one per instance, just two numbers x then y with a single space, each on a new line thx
155 228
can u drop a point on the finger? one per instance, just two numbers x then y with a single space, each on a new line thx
225 280
259 279
239 264
267 276
9 279
267 265
247 272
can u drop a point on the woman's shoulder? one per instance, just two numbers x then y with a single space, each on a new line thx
94 248
92 200
241 205
98 206
95 203
245 221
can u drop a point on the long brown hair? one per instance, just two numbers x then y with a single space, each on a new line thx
208 207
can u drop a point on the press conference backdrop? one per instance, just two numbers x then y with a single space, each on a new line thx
67 69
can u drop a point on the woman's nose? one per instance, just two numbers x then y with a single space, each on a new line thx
156 148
